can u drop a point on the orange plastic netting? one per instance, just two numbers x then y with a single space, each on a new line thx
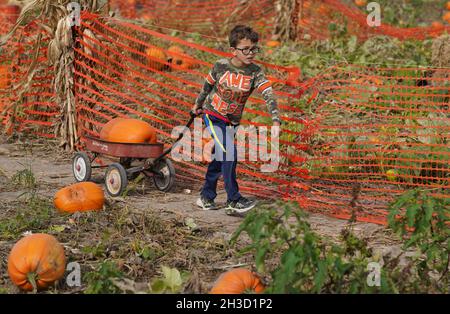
315 17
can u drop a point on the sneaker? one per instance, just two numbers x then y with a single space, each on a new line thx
239 207
206 204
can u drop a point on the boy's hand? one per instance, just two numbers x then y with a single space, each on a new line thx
197 110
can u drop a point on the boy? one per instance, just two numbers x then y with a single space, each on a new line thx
222 100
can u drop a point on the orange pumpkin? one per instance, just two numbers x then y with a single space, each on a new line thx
360 3
83 196
4 76
448 5
437 25
237 281
179 58
446 17
36 262
153 55
125 130
10 12
273 43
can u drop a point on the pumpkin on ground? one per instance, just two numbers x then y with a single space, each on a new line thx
179 58
36 262
360 3
83 196
125 130
4 76
273 43
446 17
238 281
153 55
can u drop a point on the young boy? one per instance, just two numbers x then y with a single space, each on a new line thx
222 100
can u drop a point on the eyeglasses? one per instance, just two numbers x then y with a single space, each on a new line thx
246 51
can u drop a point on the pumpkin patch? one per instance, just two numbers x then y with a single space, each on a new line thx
83 196
36 262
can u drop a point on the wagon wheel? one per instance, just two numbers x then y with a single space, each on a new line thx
115 179
163 174
81 167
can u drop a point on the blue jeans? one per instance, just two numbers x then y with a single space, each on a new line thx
224 159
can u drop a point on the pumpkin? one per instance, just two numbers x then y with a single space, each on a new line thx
446 17
360 3
437 25
153 55
237 281
179 58
4 76
273 43
83 196
448 5
127 130
10 12
36 262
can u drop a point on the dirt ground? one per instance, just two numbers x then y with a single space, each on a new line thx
202 250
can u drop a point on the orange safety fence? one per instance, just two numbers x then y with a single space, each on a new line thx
33 111
352 138
316 17
209 16
204 16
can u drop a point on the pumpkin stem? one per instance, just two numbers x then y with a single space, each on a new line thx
31 277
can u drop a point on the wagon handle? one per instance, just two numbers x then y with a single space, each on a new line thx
193 115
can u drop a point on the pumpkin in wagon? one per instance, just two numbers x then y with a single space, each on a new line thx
36 262
127 130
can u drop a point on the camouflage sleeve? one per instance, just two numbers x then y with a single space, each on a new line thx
208 86
265 87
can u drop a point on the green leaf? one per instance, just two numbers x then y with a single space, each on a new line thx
321 275
411 212
172 278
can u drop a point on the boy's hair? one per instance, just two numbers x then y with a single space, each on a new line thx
240 32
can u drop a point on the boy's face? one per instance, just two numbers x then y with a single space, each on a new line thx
245 51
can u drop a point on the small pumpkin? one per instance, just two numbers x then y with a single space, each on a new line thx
5 76
127 130
10 12
180 58
360 3
446 17
448 5
36 262
437 25
153 55
83 196
238 281
273 43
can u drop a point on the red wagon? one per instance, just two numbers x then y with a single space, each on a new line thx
151 159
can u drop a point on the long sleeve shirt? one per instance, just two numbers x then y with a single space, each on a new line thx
227 89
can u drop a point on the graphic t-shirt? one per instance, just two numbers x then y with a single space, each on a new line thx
227 89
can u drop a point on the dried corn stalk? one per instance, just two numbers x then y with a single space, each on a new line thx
52 16
286 21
